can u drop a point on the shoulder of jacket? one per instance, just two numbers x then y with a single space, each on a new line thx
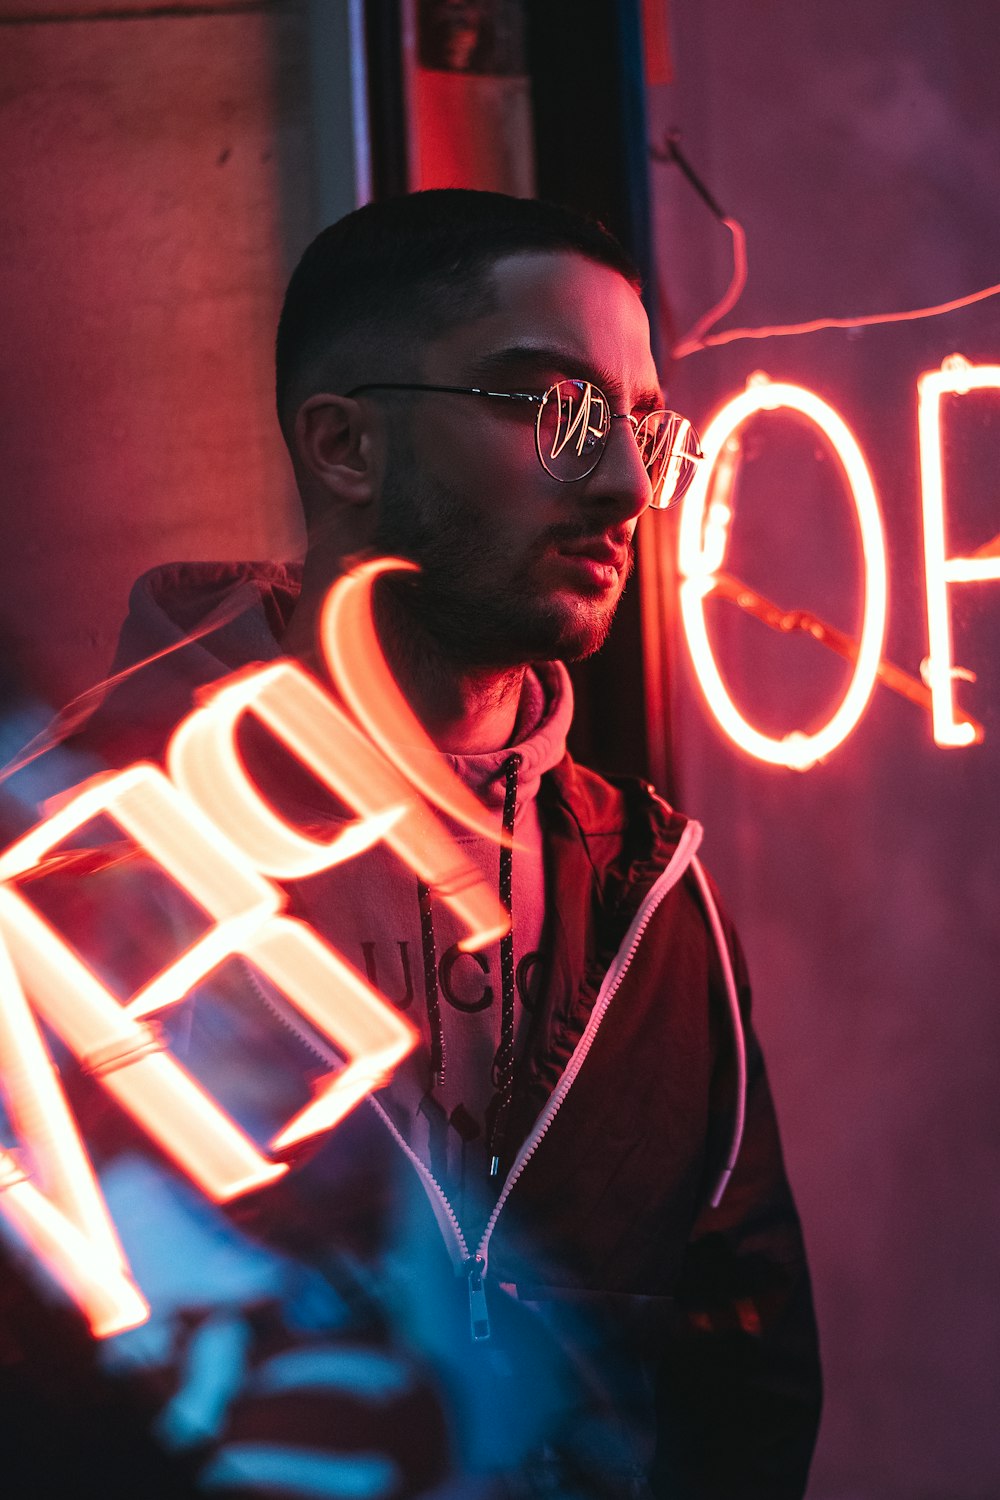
614 803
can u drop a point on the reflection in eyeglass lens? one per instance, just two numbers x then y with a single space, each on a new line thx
573 425
670 451
573 409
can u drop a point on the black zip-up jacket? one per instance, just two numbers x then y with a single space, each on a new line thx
708 1309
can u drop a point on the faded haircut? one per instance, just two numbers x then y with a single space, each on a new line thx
374 287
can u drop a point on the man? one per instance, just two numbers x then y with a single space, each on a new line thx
465 381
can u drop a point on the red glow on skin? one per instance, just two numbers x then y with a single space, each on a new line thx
213 834
588 572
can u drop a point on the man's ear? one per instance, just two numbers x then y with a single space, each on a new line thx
334 444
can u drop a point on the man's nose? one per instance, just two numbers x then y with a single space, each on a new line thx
620 479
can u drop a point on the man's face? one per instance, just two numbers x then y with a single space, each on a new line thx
516 566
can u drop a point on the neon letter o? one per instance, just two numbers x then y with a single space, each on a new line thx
704 537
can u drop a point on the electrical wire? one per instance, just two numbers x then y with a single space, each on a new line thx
699 337
692 344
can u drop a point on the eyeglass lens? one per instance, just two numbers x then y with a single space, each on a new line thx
573 426
671 451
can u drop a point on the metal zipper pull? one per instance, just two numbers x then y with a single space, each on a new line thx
479 1313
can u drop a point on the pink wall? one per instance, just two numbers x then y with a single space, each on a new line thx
154 172
859 144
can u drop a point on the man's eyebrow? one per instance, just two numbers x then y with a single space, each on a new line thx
500 363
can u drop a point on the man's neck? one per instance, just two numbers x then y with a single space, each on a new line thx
465 710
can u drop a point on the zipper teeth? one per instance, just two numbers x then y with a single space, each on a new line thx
284 1016
429 1180
682 857
328 1055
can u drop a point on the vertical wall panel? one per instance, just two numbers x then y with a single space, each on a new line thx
155 184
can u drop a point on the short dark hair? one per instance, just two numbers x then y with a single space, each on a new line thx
396 273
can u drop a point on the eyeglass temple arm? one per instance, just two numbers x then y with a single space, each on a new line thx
453 390
475 390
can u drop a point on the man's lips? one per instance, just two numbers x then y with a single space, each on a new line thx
599 550
596 559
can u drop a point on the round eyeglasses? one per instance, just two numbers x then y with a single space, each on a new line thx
572 427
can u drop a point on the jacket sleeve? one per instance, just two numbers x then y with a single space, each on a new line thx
739 1388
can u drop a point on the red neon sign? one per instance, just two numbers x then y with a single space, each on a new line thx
62 1216
206 826
956 377
706 519
704 538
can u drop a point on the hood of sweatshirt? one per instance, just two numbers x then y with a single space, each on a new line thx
188 624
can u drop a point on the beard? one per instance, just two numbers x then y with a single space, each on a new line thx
472 601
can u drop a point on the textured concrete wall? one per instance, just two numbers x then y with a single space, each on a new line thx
156 184
858 144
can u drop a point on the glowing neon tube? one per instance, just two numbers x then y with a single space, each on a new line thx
956 377
205 762
59 1210
354 659
703 542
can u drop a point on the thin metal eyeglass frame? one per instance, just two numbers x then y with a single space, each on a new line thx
540 402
